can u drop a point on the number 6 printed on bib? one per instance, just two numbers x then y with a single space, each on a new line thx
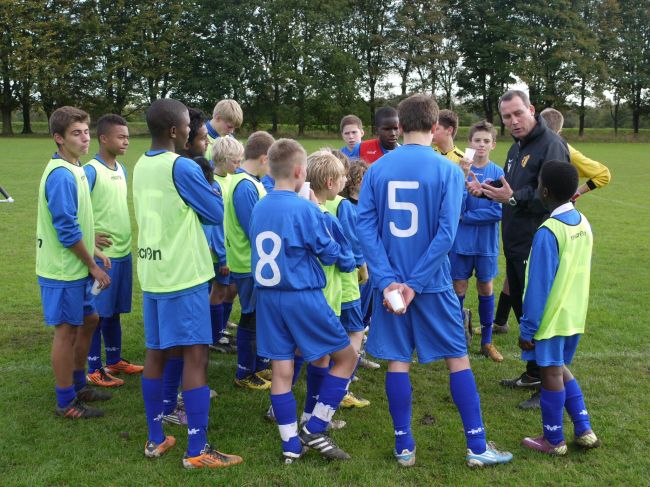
393 204
268 258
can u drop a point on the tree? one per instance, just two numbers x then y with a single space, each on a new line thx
372 23
486 44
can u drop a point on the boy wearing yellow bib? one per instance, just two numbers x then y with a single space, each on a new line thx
107 180
65 243
555 307
244 193
171 198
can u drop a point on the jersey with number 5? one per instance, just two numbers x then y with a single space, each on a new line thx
289 236
409 208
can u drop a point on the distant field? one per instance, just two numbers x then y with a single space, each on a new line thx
612 364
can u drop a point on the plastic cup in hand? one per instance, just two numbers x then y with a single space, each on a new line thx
305 190
469 153
396 301
95 290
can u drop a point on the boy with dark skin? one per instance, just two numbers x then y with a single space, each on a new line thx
555 308
387 130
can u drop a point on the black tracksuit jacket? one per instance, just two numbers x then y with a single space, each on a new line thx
523 164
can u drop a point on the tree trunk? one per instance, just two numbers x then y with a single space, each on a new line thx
6 121
276 105
581 130
371 104
27 120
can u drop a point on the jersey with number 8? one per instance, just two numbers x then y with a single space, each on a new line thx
409 208
290 236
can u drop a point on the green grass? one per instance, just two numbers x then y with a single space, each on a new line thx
612 365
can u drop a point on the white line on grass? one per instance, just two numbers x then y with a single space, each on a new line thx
623 203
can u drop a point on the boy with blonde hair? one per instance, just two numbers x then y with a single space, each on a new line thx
227 116
292 242
227 155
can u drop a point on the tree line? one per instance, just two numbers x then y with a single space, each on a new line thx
309 62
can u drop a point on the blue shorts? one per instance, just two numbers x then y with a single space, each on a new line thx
246 291
287 320
432 326
67 301
223 280
180 318
555 351
486 268
352 318
117 298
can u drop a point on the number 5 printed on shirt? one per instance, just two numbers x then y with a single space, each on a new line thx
393 204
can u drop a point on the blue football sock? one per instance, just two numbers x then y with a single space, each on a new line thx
112 331
461 300
216 320
298 360
575 406
95 350
152 393
262 363
552 403
284 407
64 395
331 393
227 308
315 376
466 398
171 382
79 379
197 407
399 394
245 352
486 315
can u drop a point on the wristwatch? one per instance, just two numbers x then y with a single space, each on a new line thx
512 201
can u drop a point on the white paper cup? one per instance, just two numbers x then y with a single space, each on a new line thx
95 290
469 153
305 190
394 297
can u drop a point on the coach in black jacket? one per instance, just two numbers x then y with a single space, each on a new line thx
523 212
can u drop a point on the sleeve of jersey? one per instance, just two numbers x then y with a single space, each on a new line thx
61 195
194 189
597 173
432 259
368 233
348 219
244 199
318 238
345 261
542 267
483 216
91 175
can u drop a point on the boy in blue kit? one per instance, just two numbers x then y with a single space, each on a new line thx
173 409
351 133
245 191
409 208
290 244
108 193
171 199
227 155
555 308
65 244
476 247
227 116
351 314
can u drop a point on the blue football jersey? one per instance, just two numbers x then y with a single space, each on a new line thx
289 240
409 208
478 231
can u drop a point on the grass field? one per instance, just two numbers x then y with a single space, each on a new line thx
612 364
